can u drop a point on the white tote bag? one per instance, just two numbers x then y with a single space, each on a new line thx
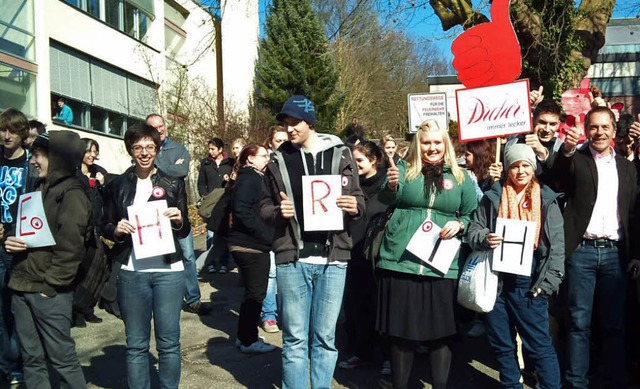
478 285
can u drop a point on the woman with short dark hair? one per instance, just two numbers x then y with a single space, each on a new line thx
150 287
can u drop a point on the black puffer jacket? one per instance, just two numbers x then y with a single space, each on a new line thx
120 193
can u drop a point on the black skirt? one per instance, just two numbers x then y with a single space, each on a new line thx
415 307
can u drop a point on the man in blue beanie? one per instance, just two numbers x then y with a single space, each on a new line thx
311 266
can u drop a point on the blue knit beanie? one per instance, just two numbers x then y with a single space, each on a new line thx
298 107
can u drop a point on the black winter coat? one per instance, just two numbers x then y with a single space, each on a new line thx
212 176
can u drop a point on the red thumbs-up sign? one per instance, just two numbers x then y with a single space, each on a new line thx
489 53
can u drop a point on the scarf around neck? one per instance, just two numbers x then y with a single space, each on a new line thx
529 208
432 173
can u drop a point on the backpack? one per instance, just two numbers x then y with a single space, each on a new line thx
373 238
94 270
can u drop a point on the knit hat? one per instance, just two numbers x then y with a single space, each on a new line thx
42 141
298 107
519 152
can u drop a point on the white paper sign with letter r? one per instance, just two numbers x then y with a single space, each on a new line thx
319 203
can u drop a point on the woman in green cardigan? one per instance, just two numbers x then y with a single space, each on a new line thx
416 302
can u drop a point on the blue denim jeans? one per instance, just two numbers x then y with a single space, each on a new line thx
192 294
596 274
517 311
142 296
309 297
269 305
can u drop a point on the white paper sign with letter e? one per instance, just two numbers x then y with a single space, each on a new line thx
515 254
435 252
32 226
153 234
319 203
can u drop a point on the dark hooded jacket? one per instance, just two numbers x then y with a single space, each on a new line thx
550 271
212 176
53 269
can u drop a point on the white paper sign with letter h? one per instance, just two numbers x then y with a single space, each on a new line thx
515 254
153 234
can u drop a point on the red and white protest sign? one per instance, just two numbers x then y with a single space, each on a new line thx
153 235
319 203
493 111
31 225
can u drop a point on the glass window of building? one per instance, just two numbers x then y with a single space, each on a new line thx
17 28
17 89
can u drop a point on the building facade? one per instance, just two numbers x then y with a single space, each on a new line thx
116 61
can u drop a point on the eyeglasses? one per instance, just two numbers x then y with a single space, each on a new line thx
137 149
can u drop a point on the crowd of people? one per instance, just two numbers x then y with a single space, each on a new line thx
579 191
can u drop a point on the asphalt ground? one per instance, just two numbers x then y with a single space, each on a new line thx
211 360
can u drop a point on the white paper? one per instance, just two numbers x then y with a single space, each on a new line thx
493 111
153 234
435 252
32 226
319 203
423 106
515 254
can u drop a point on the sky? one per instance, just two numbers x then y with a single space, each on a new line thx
424 26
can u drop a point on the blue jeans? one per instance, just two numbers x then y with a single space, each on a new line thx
192 294
596 273
310 297
269 305
142 296
9 346
517 311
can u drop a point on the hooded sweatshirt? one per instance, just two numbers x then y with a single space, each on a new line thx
284 174
53 269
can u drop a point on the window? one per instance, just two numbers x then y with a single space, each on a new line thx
174 36
103 98
17 89
132 17
17 28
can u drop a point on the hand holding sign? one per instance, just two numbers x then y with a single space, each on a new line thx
489 53
14 245
124 228
348 204
393 175
286 206
573 135
494 240
450 229
495 171
174 215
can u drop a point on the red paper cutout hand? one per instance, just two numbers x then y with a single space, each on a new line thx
489 53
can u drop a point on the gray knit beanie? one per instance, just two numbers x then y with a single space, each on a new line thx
519 152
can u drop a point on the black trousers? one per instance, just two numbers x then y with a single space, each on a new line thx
254 270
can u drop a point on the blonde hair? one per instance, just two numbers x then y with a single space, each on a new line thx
414 156
385 139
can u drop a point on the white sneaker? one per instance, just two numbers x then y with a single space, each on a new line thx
257 347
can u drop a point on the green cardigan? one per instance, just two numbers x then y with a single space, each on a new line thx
411 209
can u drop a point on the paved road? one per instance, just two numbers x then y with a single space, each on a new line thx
210 359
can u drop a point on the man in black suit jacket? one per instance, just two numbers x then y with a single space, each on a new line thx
600 189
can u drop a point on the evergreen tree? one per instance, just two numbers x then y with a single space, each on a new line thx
293 59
